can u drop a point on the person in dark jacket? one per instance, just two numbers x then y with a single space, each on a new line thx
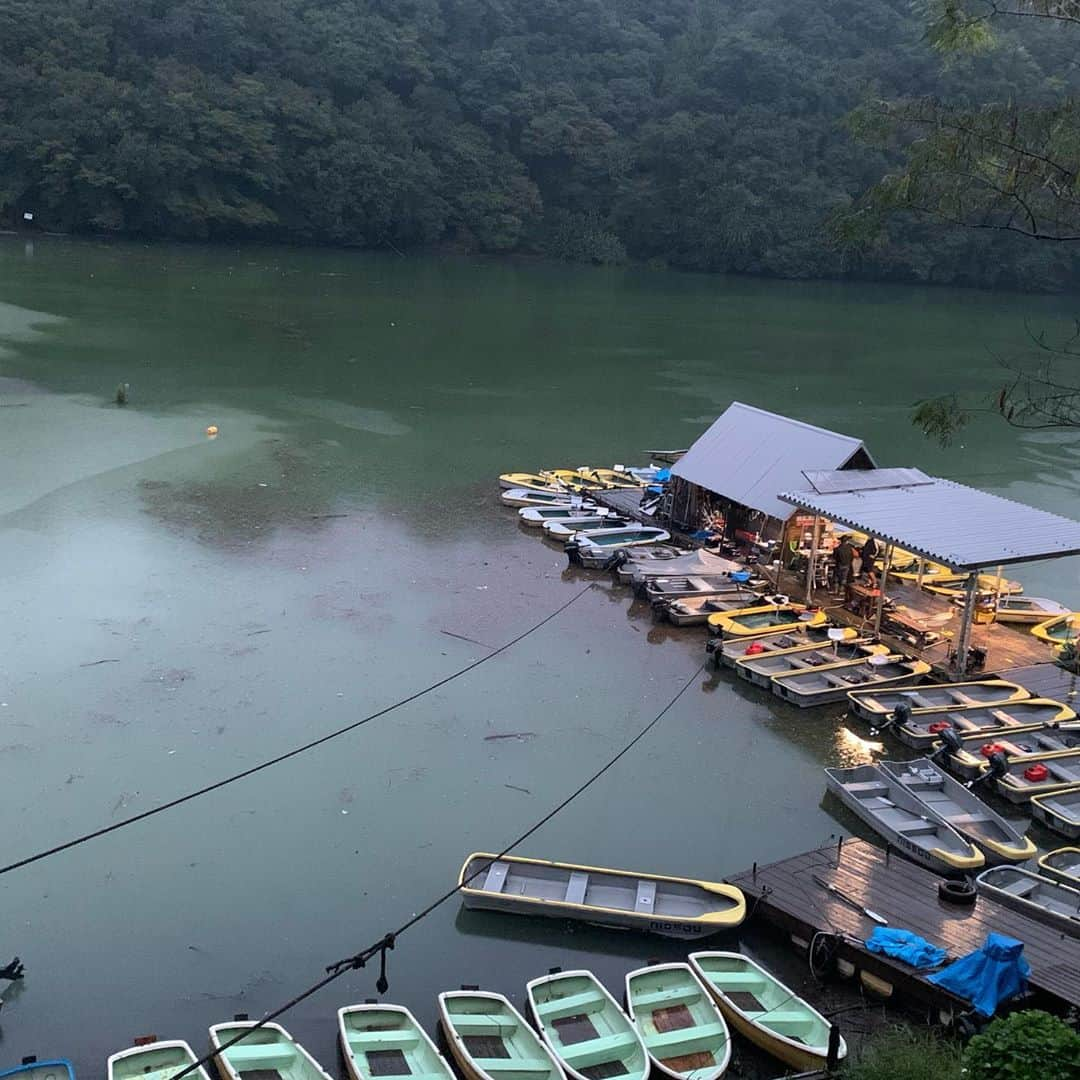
869 554
843 556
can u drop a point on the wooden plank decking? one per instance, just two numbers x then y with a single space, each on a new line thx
785 894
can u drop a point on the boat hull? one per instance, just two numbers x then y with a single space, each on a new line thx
989 882
941 697
761 670
791 690
1059 811
1062 866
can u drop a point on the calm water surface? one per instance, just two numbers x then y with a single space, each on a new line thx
176 608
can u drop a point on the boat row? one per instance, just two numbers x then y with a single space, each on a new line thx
583 479
676 1020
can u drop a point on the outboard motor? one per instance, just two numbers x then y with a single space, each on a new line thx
901 714
571 550
997 766
950 741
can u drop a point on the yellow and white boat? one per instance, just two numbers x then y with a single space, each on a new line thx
765 619
573 480
761 1008
529 481
611 478
655 903
987 583
1059 630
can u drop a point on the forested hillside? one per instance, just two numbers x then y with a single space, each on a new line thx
706 134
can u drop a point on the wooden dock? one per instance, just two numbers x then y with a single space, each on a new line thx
785 895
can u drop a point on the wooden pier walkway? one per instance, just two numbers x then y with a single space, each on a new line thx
785 894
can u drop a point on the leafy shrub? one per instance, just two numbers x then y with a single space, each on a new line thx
906 1054
1029 1045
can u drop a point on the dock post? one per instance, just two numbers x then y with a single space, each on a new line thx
753 873
839 848
832 1057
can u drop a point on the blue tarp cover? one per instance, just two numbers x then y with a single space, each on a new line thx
989 975
906 946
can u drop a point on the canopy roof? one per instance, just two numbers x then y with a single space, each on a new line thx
748 455
941 520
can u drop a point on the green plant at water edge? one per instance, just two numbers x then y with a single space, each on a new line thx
1030 1045
905 1054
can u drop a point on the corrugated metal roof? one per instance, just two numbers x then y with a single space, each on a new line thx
949 523
833 480
748 455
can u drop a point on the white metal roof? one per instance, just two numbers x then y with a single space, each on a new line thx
748 455
947 522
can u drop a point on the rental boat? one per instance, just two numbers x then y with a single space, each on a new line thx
1035 896
892 811
536 516
1039 774
765 619
986 583
762 667
933 573
655 903
731 650
975 751
692 562
1058 631
534 497
761 1008
806 688
681 1026
584 1027
596 548
944 799
660 590
1060 811
573 480
153 1060
1062 865
583 525
690 610
876 705
49 1069
490 1040
533 481
612 478
373 1037
269 1049
1028 609
923 729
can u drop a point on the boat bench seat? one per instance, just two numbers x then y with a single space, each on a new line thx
569 1006
496 877
645 900
575 889
684 1040
401 1038
869 788
916 828
482 1024
778 1019
263 1056
732 980
526 1065
594 1051
662 999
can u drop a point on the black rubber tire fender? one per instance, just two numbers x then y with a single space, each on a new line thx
961 893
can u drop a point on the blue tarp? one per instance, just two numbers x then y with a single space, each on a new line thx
906 946
663 476
989 975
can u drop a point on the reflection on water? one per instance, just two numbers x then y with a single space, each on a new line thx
851 749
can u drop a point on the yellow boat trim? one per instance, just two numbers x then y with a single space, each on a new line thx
1019 693
733 917
724 621
794 650
1011 851
1053 870
1033 759
961 862
1042 630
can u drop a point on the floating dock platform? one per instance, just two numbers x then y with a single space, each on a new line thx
785 895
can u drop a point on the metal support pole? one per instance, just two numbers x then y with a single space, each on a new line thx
881 589
812 568
970 592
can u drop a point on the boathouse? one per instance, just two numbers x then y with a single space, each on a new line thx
730 478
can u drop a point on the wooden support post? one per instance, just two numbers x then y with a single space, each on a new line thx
811 569
970 592
881 590
832 1056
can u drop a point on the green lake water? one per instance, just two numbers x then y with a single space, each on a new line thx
175 608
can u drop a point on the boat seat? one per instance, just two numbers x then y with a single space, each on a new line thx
575 889
916 828
668 1043
646 897
778 1019
496 877
736 980
593 1051
869 788
482 1024
262 1056
662 999
527 1065
1019 887
569 1006
398 1039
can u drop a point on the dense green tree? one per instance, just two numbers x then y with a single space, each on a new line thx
706 134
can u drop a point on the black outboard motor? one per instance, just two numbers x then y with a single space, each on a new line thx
901 714
997 766
950 741
571 550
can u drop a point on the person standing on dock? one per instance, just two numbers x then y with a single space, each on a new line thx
844 556
869 557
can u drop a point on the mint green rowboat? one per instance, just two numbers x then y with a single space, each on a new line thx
681 1026
585 1028
160 1060
490 1040
269 1050
387 1040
